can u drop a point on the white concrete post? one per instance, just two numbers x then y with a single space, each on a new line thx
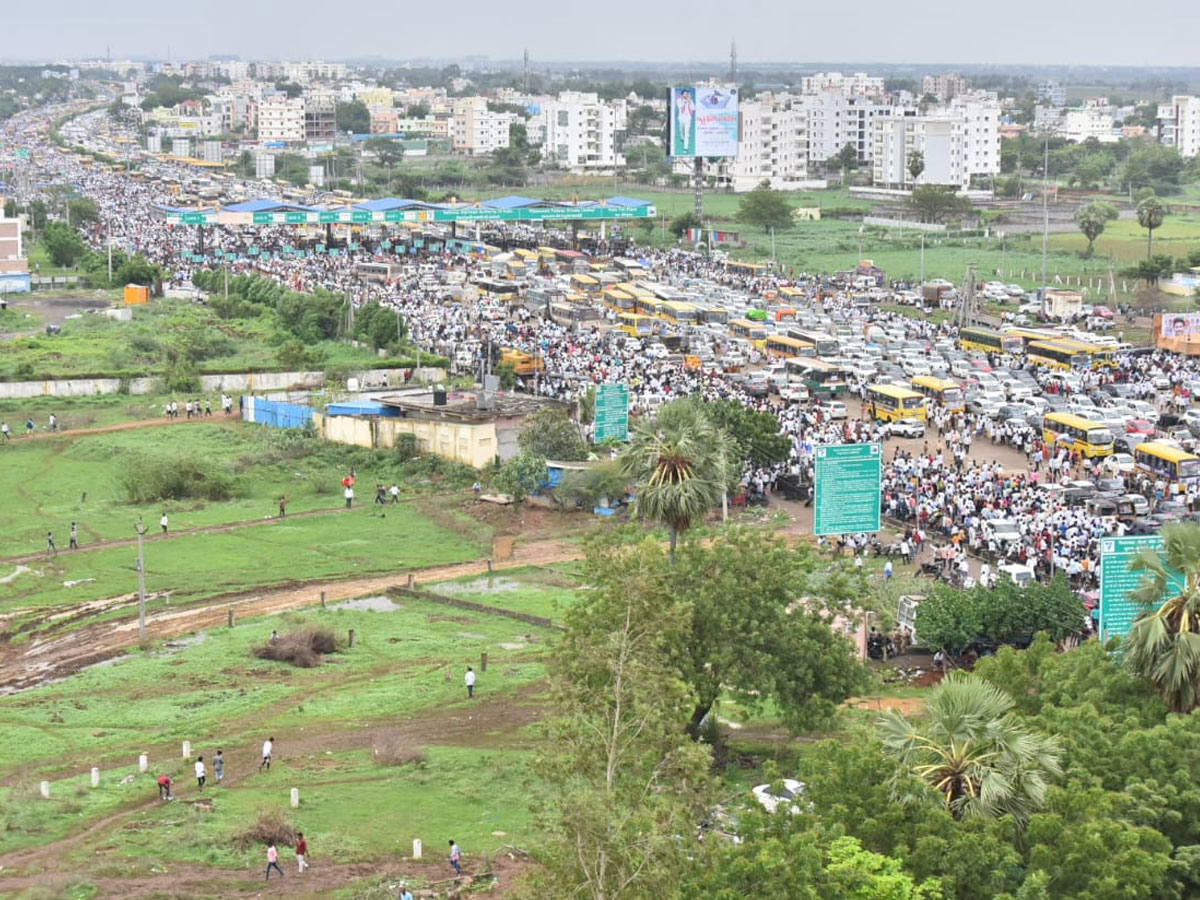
95 777
187 749
143 763
295 798
45 790
417 848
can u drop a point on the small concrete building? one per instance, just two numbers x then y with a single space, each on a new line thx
473 427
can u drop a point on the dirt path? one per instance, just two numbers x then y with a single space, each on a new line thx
215 419
54 655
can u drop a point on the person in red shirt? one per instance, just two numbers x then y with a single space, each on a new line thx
164 787
301 852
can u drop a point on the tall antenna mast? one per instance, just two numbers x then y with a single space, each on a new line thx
733 62
525 78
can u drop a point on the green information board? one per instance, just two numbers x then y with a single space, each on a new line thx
612 412
849 478
1117 581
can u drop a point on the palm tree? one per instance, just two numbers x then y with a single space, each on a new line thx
681 463
1150 214
973 752
1164 643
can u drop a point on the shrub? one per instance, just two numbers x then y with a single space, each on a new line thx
406 446
175 477
395 752
271 825
302 648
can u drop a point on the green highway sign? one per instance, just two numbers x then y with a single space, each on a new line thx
849 478
192 218
612 412
460 214
1118 581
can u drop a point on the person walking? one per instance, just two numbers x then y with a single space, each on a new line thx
283 502
53 422
201 774
349 497
301 852
74 545
29 426
163 522
268 749
394 490
455 857
273 860
164 787
5 431
470 679
219 766
51 550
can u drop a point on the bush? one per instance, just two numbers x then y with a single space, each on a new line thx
272 825
175 477
395 752
406 447
302 648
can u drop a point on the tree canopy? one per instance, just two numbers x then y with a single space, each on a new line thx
551 434
766 207
1092 219
937 202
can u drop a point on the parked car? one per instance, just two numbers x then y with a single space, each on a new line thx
908 428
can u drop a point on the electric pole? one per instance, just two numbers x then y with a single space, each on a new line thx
733 62
141 567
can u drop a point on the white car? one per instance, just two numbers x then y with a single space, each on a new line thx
773 796
907 428
1117 464
1143 409
796 392
834 409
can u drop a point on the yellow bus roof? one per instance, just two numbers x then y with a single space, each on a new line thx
791 292
938 384
787 341
584 279
1163 451
746 323
894 391
1073 420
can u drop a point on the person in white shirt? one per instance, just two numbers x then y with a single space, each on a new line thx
201 775
470 682
268 748
163 523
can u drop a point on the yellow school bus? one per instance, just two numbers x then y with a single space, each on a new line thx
1091 439
946 394
890 402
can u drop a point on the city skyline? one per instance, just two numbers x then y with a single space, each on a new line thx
930 33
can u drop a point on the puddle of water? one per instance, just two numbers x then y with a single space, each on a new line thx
176 646
472 637
478 586
369 604
512 646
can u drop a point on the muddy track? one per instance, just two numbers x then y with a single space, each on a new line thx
60 651
125 426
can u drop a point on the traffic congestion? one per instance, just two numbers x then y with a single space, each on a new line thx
1011 447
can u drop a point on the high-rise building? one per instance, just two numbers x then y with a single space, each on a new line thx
956 143
860 83
477 130
835 119
280 118
1179 124
320 116
582 132
773 144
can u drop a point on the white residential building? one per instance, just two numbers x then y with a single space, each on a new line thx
956 143
835 119
944 87
477 130
281 119
1088 122
582 132
849 85
1179 124
773 145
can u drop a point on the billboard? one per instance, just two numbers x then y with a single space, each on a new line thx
702 121
1176 325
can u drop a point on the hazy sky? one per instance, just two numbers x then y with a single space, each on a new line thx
1104 32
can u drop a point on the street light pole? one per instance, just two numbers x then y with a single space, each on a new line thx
141 567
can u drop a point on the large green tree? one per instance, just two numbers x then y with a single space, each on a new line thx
386 151
937 202
1150 215
759 629
1163 645
765 207
551 434
682 465
1092 219
353 116
972 753
621 782
755 434
63 243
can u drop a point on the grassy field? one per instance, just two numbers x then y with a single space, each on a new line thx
96 345
94 411
535 591
389 691
1125 240
83 479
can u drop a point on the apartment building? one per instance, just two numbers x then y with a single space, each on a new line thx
835 119
773 146
956 143
1179 124
582 132
280 118
944 87
320 116
860 83
1088 123
477 130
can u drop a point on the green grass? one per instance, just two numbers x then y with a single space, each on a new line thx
93 411
349 544
98 346
16 320
534 591
215 694
50 477
1125 240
